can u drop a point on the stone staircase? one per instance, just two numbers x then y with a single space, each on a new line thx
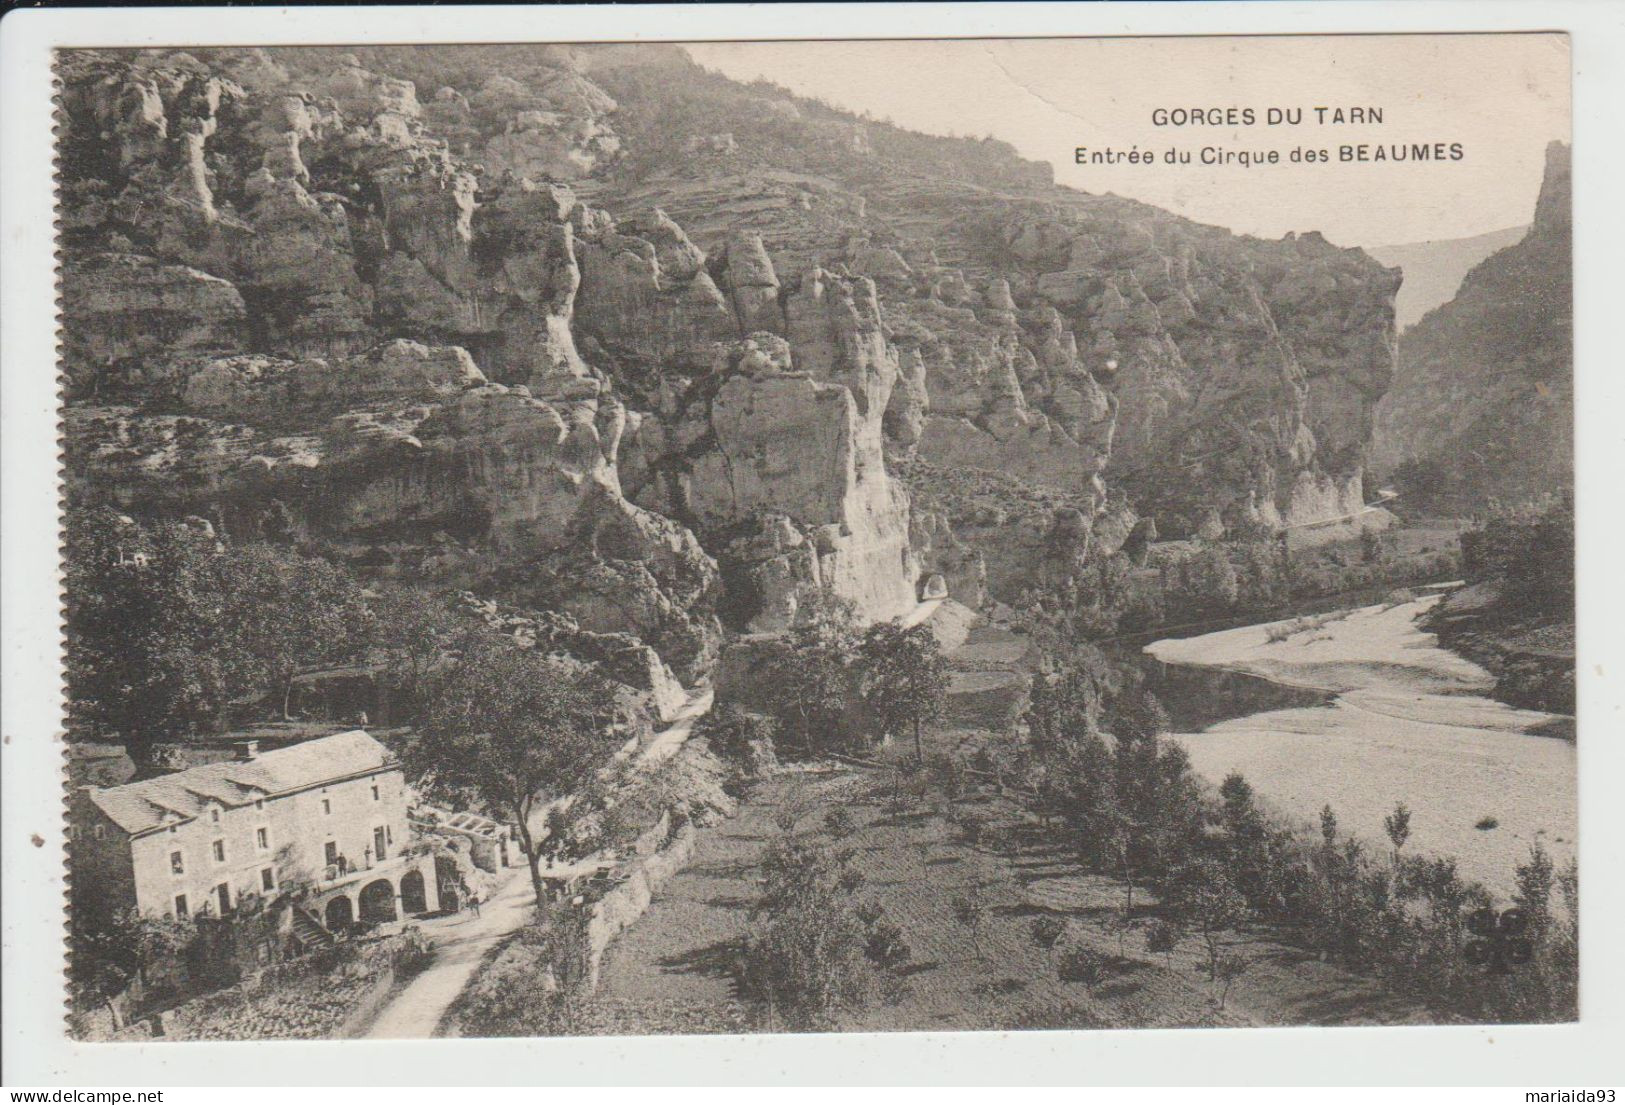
308 932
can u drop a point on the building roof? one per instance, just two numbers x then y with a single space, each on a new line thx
150 803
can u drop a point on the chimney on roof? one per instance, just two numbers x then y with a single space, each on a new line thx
247 750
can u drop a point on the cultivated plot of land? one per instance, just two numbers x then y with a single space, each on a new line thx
676 967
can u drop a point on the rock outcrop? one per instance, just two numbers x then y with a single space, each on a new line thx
1482 407
1065 338
515 318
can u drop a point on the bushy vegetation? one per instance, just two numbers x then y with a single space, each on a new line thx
533 985
174 631
817 948
309 997
168 626
1530 551
1522 628
833 688
741 740
1097 772
1240 580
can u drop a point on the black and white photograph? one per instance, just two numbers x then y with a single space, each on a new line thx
816 536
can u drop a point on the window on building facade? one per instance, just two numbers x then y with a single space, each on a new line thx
262 839
99 831
177 863
222 894
327 806
268 879
331 852
180 907
375 792
219 851
214 815
259 803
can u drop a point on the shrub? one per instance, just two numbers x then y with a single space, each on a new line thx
839 822
738 738
1084 965
410 952
972 829
886 946
815 951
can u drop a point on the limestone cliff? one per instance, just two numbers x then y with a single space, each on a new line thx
1061 337
1482 407
292 311
608 337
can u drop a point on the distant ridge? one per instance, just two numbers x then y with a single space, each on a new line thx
1434 270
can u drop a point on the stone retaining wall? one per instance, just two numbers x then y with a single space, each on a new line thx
617 910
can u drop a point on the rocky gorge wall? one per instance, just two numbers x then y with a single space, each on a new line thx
1484 400
530 321
290 308
1067 339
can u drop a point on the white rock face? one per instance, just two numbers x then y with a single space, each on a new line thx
793 466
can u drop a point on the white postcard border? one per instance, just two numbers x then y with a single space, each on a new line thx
36 1051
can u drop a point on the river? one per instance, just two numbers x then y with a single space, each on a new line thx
1364 711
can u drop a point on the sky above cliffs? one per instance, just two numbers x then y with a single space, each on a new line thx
1501 97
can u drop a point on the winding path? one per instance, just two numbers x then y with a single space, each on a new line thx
462 941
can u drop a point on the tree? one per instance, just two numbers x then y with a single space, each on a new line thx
1204 899
1068 703
1246 837
905 678
513 730
1202 586
411 630
293 612
736 736
814 950
113 949
167 625
1229 968
1047 931
970 911
1535 878
1161 938
807 676
146 659
1398 827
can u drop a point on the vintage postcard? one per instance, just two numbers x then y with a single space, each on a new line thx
817 536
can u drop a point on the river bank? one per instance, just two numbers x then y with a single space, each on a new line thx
1399 719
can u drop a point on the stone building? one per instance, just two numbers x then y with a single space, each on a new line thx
327 818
